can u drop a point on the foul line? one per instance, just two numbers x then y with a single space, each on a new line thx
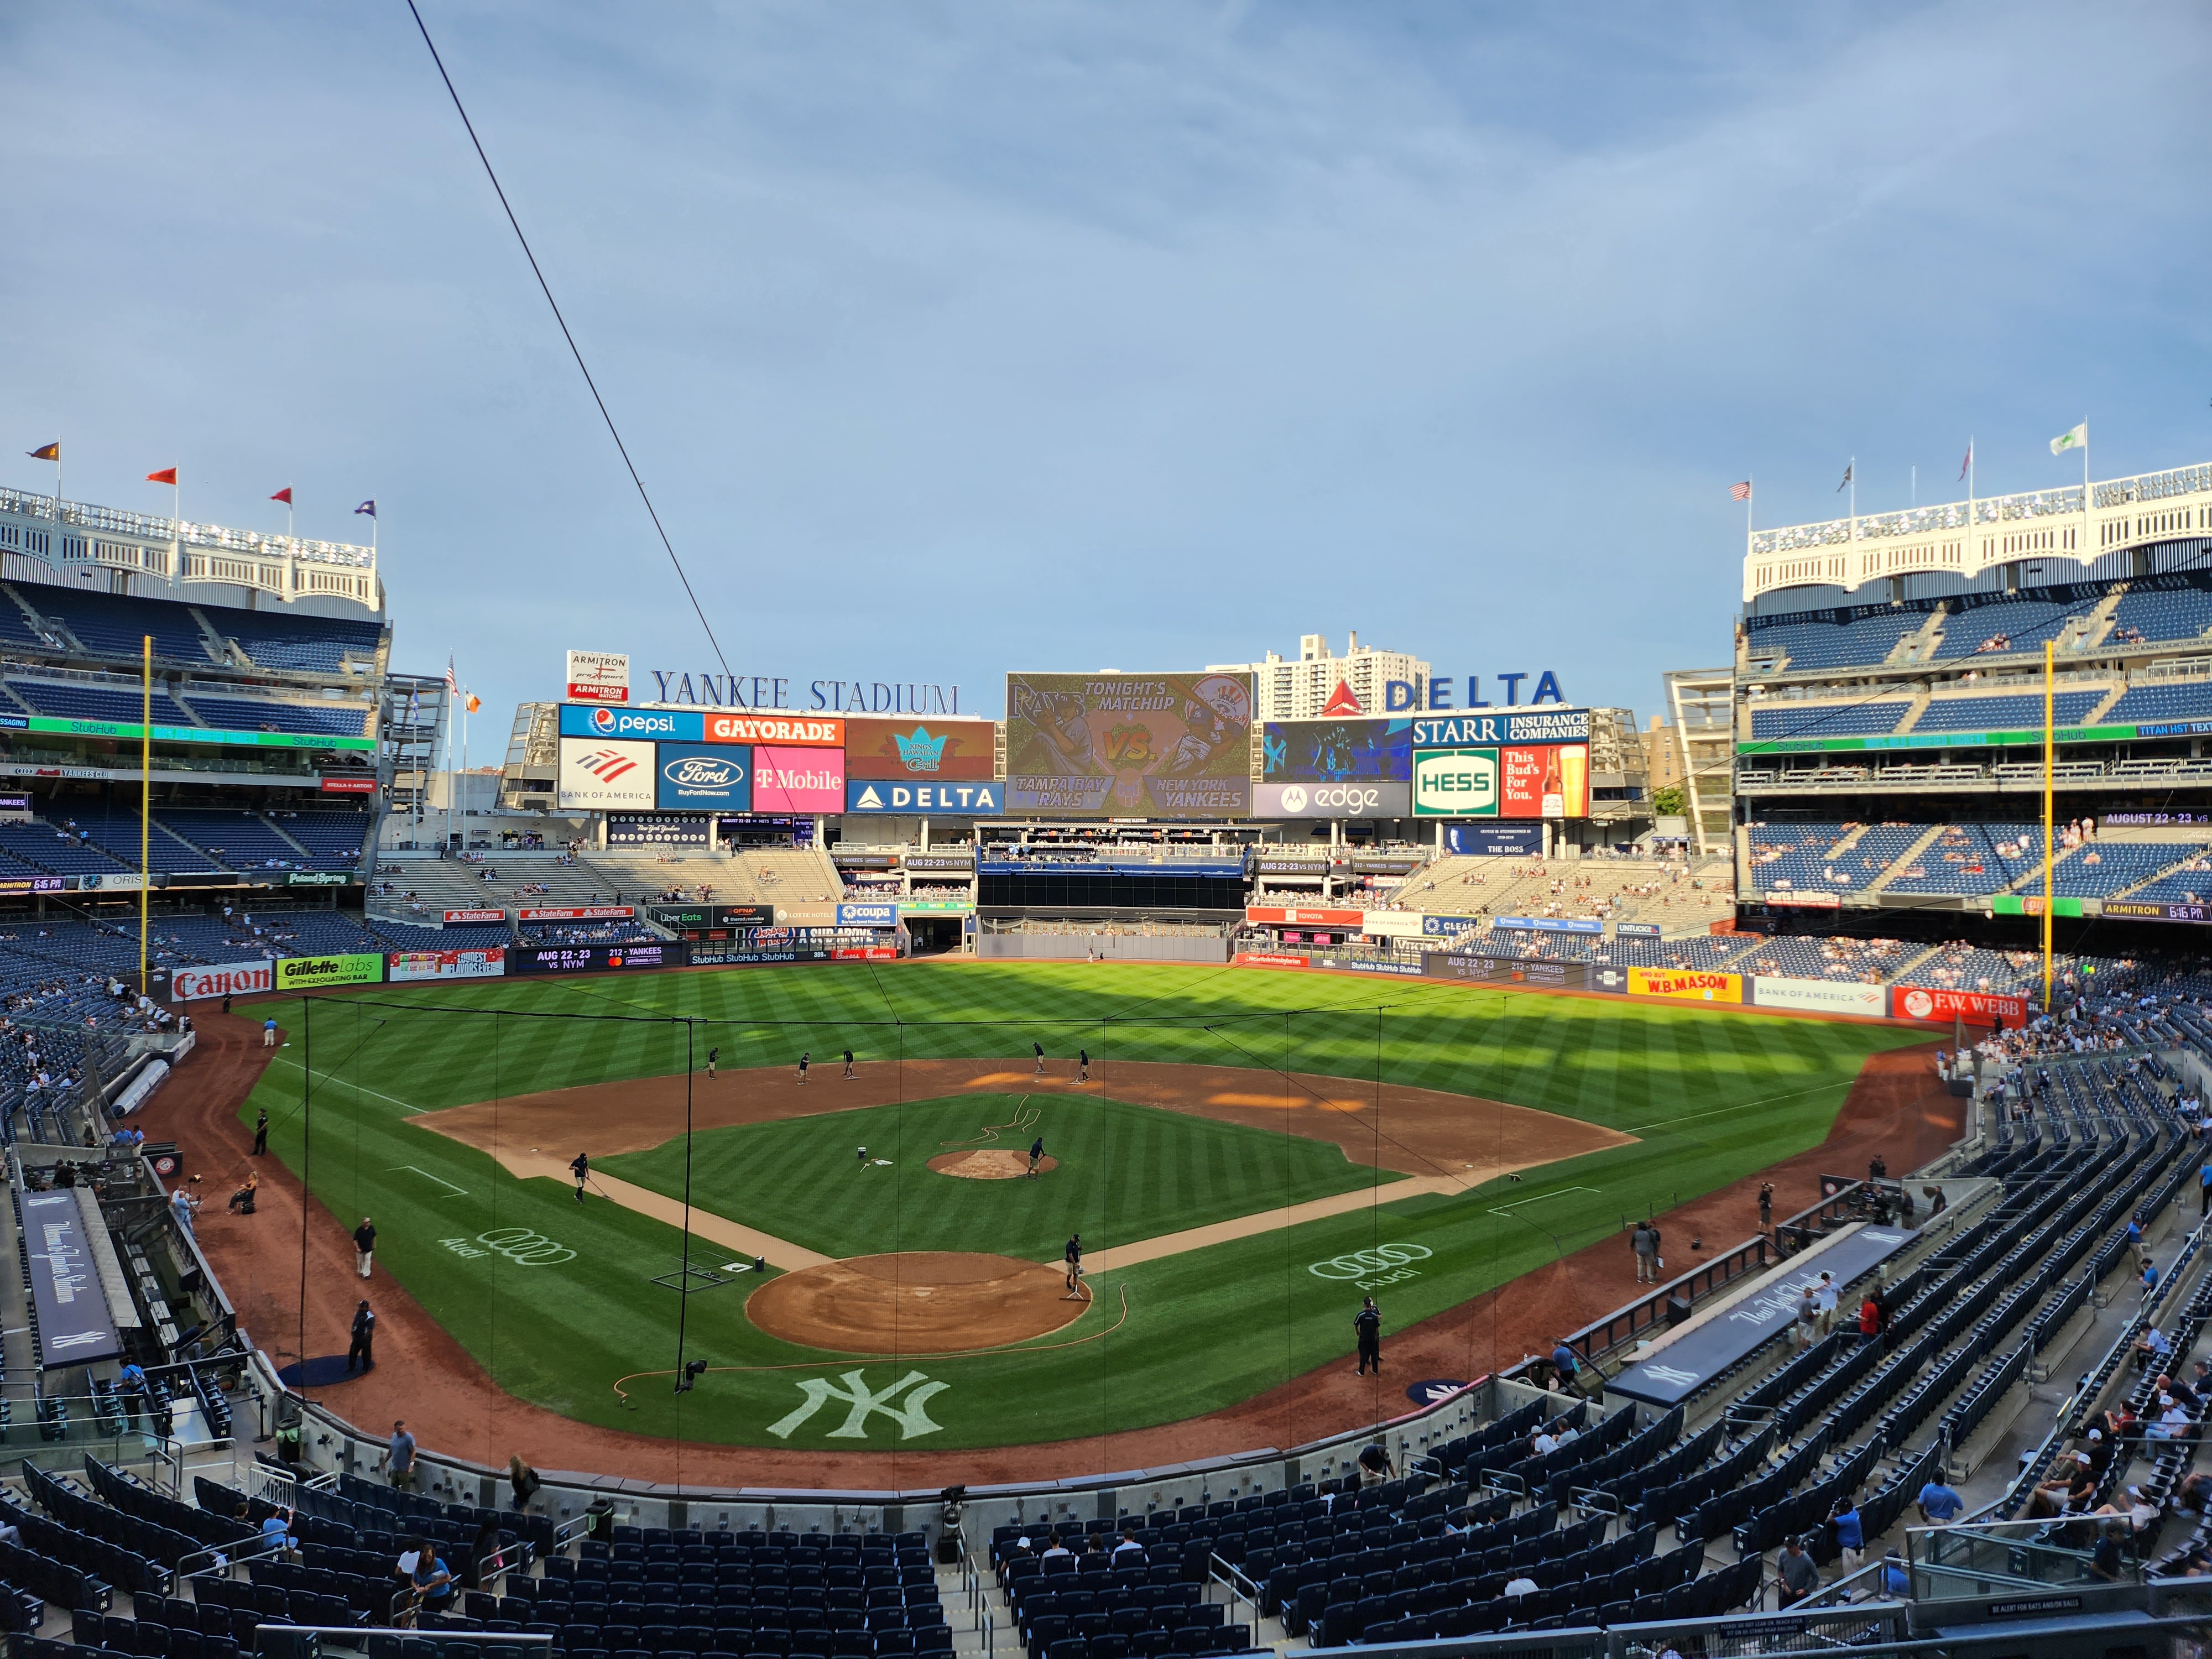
333 1076
894 1359
427 1175
1740 1106
1506 1210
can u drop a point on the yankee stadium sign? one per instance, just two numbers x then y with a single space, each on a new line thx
702 690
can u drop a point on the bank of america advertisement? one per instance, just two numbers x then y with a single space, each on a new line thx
595 775
1129 745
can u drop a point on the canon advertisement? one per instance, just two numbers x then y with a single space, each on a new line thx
1355 798
593 958
232 979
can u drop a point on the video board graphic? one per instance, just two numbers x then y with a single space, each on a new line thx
1335 752
1152 745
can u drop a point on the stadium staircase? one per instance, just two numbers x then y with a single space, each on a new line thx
1904 860
1922 695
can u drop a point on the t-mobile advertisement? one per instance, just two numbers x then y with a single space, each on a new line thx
799 780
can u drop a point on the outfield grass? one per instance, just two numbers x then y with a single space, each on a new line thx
1712 1097
1126 1172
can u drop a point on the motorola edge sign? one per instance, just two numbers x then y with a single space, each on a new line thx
1356 798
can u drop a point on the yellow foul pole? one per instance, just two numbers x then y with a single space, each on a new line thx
145 805
2048 682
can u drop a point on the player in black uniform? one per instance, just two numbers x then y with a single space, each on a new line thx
1368 1323
582 1169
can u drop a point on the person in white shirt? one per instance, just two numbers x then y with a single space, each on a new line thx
1524 1585
1541 1441
1825 1296
2172 1423
1058 1548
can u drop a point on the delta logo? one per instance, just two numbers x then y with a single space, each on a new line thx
1343 700
607 764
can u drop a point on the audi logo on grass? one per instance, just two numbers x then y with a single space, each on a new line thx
1359 1263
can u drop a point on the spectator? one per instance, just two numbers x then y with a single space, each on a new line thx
1796 1574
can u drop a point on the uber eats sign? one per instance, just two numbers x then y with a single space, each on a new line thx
1455 783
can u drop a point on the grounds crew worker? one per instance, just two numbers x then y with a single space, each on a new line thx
1073 1254
582 1169
363 1351
1368 1322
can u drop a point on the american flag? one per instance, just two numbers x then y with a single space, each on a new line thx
452 684
1740 492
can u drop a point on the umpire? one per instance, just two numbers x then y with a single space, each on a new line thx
1368 1322
363 1353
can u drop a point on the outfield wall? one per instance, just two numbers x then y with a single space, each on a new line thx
1114 947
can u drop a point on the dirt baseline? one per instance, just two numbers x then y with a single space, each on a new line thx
916 1301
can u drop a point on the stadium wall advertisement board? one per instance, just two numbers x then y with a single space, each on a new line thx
232 979
868 915
688 726
304 973
597 776
1819 996
1335 752
920 749
696 777
577 913
1355 799
1128 746
595 958
955 800
708 956
1280 916
1974 1007
657 830
475 916
1637 929
1483 729
1685 984
799 780
75 1326
1562 975
1455 783
711 916
1494 840
1550 782
401 966
16 886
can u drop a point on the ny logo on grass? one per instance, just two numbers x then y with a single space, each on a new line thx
912 1417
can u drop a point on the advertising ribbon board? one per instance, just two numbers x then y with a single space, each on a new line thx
1685 984
867 915
1551 924
1494 840
75 1326
1807 900
487 963
711 916
1352 798
232 979
956 800
1452 927
578 913
476 916
1636 929
1974 1007
1819 996
940 861
1279 915
1510 970
1268 960
712 956
2141 911
14 886
306 973
111 881
347 785
320 878
595 958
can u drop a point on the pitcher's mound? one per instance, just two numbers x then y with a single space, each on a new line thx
916 1301
985 1164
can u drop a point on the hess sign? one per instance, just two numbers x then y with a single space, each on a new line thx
1455 783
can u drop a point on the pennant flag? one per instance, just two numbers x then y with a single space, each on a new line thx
47 453
1342 701
2077 439
472 702
1967 465
167 474
283 496
367 506
1740 492
1847 478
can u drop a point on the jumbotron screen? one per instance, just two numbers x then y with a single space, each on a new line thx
1129 745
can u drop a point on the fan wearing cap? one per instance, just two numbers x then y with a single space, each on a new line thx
2174 1423
2139 1512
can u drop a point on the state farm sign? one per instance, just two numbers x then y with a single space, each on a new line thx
1974 1007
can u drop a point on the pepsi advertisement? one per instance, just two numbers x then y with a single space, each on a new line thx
1335 752
701 777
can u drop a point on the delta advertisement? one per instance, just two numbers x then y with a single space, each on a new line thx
920 750
404 965
1974 1007
1335 752
232 979
304 973
594 958
799 780
955 801
1129 745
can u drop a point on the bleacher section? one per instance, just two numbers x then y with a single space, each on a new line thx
1822 641
1829 720
2015 624
2005 713
115 626
296 644
2152 704
88 703
334 719
2175 606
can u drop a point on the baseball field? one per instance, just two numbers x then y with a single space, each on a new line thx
1253 1152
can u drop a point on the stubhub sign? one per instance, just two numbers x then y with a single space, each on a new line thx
945 799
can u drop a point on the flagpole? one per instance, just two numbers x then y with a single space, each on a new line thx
145 805
1747 498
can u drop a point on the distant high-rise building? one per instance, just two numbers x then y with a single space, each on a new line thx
1319 685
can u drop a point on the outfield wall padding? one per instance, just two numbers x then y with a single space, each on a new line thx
1114 947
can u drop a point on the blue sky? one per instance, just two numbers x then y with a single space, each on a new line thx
952 339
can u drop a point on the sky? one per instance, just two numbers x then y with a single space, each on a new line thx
951 339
